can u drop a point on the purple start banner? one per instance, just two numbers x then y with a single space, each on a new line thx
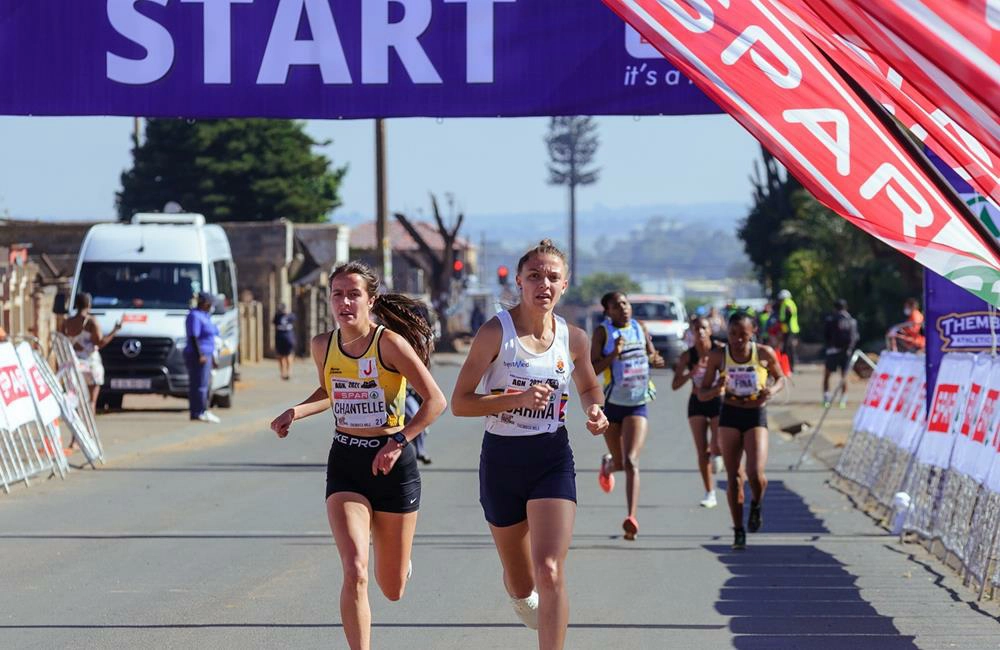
332 59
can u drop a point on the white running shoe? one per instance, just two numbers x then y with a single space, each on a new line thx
208 416
718 467
709 501
527 610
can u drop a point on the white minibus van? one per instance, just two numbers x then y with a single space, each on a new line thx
146 274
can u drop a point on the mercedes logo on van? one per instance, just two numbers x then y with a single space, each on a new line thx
131 348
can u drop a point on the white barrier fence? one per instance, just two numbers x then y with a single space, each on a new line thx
33 401
939 472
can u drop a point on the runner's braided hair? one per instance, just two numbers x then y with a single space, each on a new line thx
399 313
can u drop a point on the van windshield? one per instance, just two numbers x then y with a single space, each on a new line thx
654 311
140 285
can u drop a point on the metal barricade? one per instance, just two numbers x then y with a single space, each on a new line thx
982 545
27 447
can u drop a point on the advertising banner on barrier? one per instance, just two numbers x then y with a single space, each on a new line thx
48 407
984 432
949 394
966 450
332 59
910 380
916 420
881 386
15 394
883 415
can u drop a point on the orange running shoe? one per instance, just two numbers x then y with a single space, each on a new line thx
605 478
631 528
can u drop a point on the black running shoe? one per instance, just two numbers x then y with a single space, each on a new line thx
739 539
754 520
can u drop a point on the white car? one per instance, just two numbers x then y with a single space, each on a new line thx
665 320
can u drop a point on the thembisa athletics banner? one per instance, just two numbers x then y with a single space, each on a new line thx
758 65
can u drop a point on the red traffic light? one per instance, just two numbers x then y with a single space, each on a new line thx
457 266
502 273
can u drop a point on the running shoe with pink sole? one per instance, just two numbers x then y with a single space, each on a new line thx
605 478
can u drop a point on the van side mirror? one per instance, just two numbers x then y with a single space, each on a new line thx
59 304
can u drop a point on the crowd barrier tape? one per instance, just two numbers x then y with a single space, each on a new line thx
943 460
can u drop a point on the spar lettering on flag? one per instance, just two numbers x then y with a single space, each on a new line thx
945 404
970 406
985 415
762 69
41 388
13 387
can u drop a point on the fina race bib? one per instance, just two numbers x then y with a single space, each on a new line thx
358 403
742 382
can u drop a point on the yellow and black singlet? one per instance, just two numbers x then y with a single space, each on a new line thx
744 380
365 394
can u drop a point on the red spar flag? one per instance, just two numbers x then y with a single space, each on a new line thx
923 118
907 52
762 69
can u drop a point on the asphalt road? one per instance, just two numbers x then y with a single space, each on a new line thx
194 536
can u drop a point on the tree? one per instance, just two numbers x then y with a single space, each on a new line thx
761 232
592 287
438 265
572 143
231 170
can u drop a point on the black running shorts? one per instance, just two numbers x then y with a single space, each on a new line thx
349 469
742 419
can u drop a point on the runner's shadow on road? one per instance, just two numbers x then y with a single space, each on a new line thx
784 511
797 596
787 596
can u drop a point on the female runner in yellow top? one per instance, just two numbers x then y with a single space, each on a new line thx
744 369
372 481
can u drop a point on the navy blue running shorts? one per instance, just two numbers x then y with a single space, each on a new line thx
617 413
349 469
516 469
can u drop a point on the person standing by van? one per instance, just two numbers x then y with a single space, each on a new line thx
85 335
201 333
284 340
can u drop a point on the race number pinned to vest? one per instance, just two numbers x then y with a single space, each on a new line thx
742 381
358 403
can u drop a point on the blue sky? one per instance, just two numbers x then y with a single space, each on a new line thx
69 168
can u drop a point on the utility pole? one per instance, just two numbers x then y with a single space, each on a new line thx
382 207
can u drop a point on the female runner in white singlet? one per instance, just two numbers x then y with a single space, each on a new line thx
524 359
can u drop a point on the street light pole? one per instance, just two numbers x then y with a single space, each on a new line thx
382 207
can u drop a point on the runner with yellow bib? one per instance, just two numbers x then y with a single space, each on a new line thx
749 375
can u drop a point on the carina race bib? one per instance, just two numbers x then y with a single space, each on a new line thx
533 419
358 404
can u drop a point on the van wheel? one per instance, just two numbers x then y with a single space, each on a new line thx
224 400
